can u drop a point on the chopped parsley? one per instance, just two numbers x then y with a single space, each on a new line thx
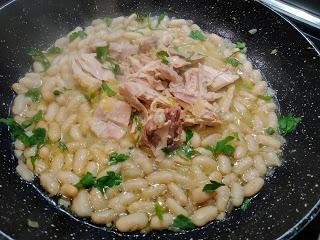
107 90
245 204
223 146
116 158
55 50
108 21
241 46
80 34
87 181
189 135
161 17
115 68
158 210
62 146
88 98
141 19
183 222
112 179
270 131
232 61
40 57
163 56
103 54
34 94
197 35
265 97
36 118
212 186
33 161
57 93
287 124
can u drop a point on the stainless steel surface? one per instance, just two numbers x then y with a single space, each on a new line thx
294 12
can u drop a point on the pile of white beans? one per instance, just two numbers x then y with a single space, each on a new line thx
173 182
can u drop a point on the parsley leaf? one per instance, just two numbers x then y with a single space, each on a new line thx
88 98
265 97
241 46
107 90
197 35
38 137
40 57
140 18
245 204
189 135
169 151
55 50
33 161
212 186
161 17
115 68
57 93
187 152
62 146
34 94
108 21
270 131
112 179
115 158
80 34
87 181
158 210
163 56
223 147
287 124
232 61
36 118
103 54
183 222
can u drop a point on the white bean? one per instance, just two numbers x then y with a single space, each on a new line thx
160 177
178 193
271 159
253 146
260 165
250 174
104 216
50 183
252 187
268 141
242 165
24 172
204 215
68 190
224 164
158 224
175 207
67 177
80 161
241 151
154 191
52 111
97 199
236 194
142 161
198 196
141 206
135 185
132 222
81 204
195 140
222 198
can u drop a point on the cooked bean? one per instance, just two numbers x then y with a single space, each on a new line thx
135 185
80 160
224 164
222 197
68 190
141 206
250 174
178 193
198 196
97 199
175 207
81 204
160 177
241 165
103 216
50 183
132 222
252 187
268 141
154 191
204 215
236 194
158 224
260 165
67 177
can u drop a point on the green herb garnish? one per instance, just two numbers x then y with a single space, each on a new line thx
241 46
112 179
187 152
102 54
245 204
161 17
158 210
197 35
87 181
232 61
265 97
107 90
189 135
62 146
116 158
40 57
33 161
57 93
108 21
115 68
80 34
212 186
88 98
183 222
38 137
223 146
163 56
36 118
287 124
270 131
55 50
34 94
141 19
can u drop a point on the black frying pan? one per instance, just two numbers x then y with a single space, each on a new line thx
290 197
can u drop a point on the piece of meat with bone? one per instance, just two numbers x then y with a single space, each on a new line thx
162 129
89 72
111 118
